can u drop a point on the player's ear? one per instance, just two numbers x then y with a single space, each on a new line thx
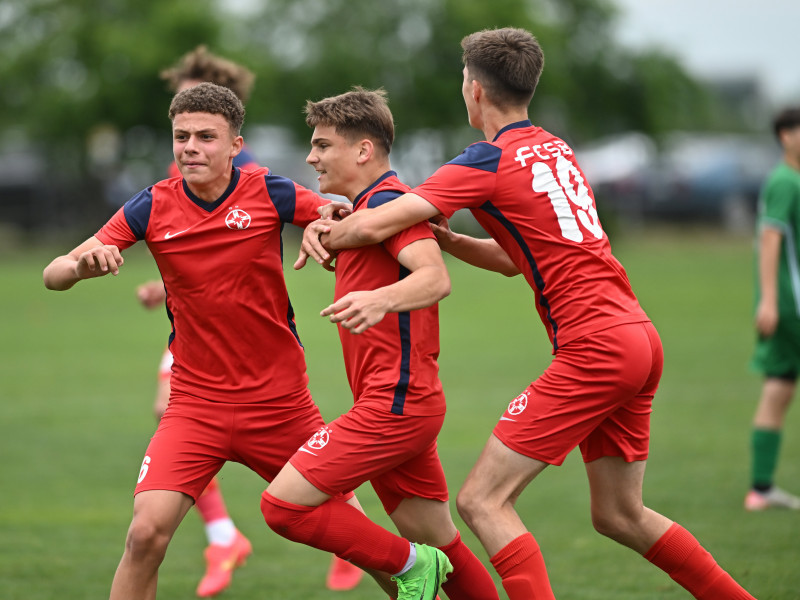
366 149
477 90
237 145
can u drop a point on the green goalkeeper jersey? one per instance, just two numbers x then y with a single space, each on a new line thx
779 208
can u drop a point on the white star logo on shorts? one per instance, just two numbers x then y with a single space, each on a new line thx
518 404
320 439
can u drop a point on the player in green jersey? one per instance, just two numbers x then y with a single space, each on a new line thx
777 319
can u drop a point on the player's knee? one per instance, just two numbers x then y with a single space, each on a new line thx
470 506
612 524
146 542
279 516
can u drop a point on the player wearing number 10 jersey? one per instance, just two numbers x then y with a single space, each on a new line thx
527 190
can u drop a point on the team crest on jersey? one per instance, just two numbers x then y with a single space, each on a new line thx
518 404
320 439
237 218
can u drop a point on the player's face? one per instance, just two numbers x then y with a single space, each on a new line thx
336 160
204 147
791 142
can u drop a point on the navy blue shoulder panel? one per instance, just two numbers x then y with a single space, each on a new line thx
481 155
283 194
382 197
137 212
244 158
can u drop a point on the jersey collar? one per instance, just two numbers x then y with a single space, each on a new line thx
211 206
373 185
517 125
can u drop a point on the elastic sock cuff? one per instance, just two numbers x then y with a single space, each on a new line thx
515 552
673 547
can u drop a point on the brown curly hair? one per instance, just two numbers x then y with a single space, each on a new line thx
202 65
210 98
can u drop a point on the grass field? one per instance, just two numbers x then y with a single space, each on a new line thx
77 376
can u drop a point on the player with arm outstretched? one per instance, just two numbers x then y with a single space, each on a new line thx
227 547
526 188
239 389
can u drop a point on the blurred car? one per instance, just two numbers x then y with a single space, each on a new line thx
692 177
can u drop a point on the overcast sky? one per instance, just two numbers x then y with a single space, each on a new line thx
723 38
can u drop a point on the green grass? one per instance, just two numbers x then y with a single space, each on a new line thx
77 377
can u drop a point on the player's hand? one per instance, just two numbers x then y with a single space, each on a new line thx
766 318
99 261
357 311
312 246
441 229
335 210
151 294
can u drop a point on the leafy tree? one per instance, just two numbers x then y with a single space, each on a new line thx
80 77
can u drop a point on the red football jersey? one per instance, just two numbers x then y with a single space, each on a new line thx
392 365
233 332
529 193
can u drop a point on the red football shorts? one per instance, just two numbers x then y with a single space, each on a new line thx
195 437
597 393
396 453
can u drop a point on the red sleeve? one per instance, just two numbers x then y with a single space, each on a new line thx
306 205
117 232
400 240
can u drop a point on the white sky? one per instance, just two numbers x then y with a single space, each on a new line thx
723 38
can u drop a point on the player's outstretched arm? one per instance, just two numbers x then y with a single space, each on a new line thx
427 283
482 253
373 225
91 259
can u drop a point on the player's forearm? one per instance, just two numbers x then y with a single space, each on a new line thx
423 287
358 229
373 225
482 253
61 274
769 259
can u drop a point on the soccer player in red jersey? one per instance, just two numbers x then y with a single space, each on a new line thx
385 304
527 190
239 383
227 548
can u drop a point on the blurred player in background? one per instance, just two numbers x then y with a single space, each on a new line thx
227 547
385 303
239 388
526 189
777 319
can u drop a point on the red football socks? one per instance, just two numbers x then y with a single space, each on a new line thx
682 557
210 503
522 568
469 580
337 527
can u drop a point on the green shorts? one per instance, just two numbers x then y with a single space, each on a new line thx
779 354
